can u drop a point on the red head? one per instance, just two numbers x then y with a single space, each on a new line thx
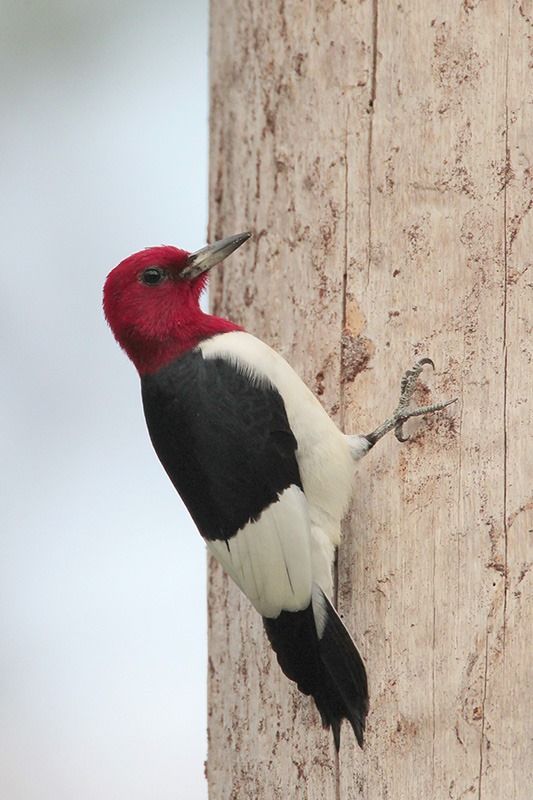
151 301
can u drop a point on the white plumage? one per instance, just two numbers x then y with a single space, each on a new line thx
270 559
292 533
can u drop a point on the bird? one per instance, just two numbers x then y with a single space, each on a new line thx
264 472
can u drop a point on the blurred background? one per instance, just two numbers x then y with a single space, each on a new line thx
103 151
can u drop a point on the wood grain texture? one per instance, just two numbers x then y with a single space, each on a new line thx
382 155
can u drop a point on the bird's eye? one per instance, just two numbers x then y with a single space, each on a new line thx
153 276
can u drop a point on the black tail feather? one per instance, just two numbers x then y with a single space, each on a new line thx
315 650
344 666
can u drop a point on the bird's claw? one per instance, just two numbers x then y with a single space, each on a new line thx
398 431
409 380
408 385
403 412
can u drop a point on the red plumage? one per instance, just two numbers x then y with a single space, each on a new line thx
155 324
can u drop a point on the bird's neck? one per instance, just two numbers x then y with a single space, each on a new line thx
150 355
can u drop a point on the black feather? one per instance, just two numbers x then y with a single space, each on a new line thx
328 667
223 438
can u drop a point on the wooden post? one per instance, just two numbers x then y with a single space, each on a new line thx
382 154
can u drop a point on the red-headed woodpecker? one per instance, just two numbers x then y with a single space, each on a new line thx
265 473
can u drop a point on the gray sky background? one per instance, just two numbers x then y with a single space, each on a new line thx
103 150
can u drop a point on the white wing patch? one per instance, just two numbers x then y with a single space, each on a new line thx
325 456
270 559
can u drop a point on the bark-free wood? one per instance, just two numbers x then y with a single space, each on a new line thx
382 155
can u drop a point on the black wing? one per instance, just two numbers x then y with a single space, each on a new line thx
223 438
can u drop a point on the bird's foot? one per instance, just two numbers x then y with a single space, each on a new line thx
403 412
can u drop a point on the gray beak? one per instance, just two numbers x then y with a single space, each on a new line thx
207 257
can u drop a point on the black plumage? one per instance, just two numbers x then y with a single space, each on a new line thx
223 438
328 666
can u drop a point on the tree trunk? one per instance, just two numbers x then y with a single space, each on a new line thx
380 152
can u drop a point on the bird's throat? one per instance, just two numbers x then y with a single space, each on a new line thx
150 354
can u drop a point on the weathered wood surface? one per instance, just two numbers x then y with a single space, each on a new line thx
382 155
